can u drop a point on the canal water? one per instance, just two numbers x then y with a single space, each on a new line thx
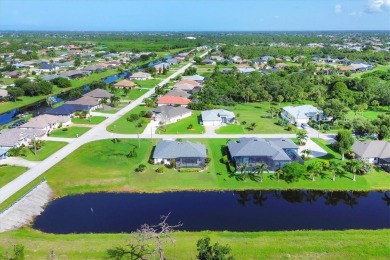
41 106
218 211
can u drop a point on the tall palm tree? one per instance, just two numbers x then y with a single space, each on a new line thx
260 169
243 169
353 166
306 153
333 169
302 137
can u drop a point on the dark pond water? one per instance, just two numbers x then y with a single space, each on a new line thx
233 211
41 106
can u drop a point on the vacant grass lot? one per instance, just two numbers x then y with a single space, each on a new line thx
71 132
122 126
97 172
48 149
369 113
93 120
8 173
253 113
181 127
350 244
150 83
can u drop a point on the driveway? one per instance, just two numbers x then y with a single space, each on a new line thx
316 150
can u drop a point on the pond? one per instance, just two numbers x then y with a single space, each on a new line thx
217 211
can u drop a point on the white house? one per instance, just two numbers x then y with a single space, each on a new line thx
216 117
46 122
140 76
301 114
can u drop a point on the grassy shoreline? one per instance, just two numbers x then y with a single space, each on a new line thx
348 244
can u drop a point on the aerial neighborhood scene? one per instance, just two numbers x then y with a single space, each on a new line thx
154 131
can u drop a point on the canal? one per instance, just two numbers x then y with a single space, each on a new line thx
217 211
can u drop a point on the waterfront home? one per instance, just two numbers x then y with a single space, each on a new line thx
375 152
72 74
68 109
140 76
170 114
98 94
217 117
125 83
90 102
16 137
184 154
46 122
301 114
94 68
275 153
173 101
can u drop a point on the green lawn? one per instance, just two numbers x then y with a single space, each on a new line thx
8 173
332 154
97 172
349 244
122 126
370 113
93 120
181 127
133 94
253 113
150 83
93 77
109 111
71 132
48 149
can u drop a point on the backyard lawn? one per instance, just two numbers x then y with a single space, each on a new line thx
122 126
346 244
92 120
97 172
369 113
181 127
8 173
253 113
69 132
48 149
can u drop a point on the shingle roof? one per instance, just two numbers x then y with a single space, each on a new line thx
84 100
215 114
178 93
170 111
166 149
45 120
140 75
371 149
259 147
3 93
125 83
193 77
98 93
301 111
11 137
173 100
67 109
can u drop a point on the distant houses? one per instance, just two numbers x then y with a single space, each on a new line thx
140 76
180 154
250 152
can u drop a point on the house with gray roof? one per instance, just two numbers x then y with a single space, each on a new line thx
178 93
375 152
17 137
98 94
46 122
185 154
301 114
217 117
254 151
196 78
3 93
170 114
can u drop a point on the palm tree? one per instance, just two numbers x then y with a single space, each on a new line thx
114 100
315 169
278 173
260 169
243 169
333 168
353 166
302 137
306 153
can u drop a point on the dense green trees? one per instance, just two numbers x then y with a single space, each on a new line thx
36 88
212 252
344 141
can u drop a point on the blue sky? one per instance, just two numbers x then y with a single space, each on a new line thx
194 15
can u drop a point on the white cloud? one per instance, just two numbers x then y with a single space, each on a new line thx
356 13
378 6
338 9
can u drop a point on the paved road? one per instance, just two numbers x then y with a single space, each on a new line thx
95 133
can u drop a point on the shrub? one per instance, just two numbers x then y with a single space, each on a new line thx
207 160
132 117
289 127
160 169
189 170
190 126
225 159
140 168
243 122
65 129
